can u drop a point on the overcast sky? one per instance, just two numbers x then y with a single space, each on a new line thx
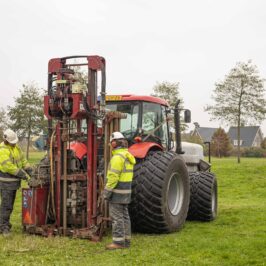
194 42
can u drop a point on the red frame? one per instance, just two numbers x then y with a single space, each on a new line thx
94 63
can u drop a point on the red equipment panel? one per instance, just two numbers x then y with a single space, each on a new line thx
34 203
79 148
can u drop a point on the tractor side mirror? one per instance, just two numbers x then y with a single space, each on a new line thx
187 116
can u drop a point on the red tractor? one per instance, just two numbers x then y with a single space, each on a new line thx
171 181
170 184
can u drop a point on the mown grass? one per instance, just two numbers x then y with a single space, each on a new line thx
236 237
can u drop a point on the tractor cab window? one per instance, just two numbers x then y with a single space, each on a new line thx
165 128
128 125
154 122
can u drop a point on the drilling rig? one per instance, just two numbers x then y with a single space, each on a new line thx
64 197
171 182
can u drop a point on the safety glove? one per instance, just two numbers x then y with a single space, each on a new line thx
107 194
29 170
22 175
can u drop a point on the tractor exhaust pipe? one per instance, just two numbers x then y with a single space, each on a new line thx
178 149
187 119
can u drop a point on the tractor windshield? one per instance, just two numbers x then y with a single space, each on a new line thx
129 125
145 118
154 122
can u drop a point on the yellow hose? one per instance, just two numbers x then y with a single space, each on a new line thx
52 173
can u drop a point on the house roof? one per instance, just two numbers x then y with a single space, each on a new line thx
247 134
206 133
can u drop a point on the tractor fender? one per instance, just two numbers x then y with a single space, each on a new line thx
140 150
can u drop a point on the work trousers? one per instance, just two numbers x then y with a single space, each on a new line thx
6 208
121 226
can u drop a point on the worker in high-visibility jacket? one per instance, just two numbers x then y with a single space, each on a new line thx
13 168
118 191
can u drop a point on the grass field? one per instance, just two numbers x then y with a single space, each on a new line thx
236 237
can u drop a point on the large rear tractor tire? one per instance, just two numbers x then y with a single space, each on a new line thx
160 193
203 196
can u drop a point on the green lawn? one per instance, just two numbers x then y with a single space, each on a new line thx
237 237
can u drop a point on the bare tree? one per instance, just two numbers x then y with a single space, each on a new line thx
239 99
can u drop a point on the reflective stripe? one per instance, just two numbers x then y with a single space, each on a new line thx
129 165
118 239
114 171
8 179
109 189
128 171
6 161
123 171
3 147
122 191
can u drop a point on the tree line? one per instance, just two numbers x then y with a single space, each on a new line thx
238 100
221 146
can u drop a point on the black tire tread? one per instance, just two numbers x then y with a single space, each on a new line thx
146 208
202 185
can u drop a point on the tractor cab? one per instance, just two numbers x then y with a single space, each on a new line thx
146 119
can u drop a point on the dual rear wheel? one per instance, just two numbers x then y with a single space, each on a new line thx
203 196
164 195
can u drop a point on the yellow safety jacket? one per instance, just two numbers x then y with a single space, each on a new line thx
120 175
11 161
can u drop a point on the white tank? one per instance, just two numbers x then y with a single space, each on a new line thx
193 152
193 157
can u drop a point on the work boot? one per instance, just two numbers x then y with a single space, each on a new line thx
127 243
114 246
6 233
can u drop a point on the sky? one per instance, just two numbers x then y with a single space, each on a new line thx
195 43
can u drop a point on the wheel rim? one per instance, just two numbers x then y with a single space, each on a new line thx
175 194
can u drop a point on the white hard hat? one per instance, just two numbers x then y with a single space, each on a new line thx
10 136
116 135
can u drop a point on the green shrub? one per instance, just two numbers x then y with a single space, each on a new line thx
254 152
233 152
